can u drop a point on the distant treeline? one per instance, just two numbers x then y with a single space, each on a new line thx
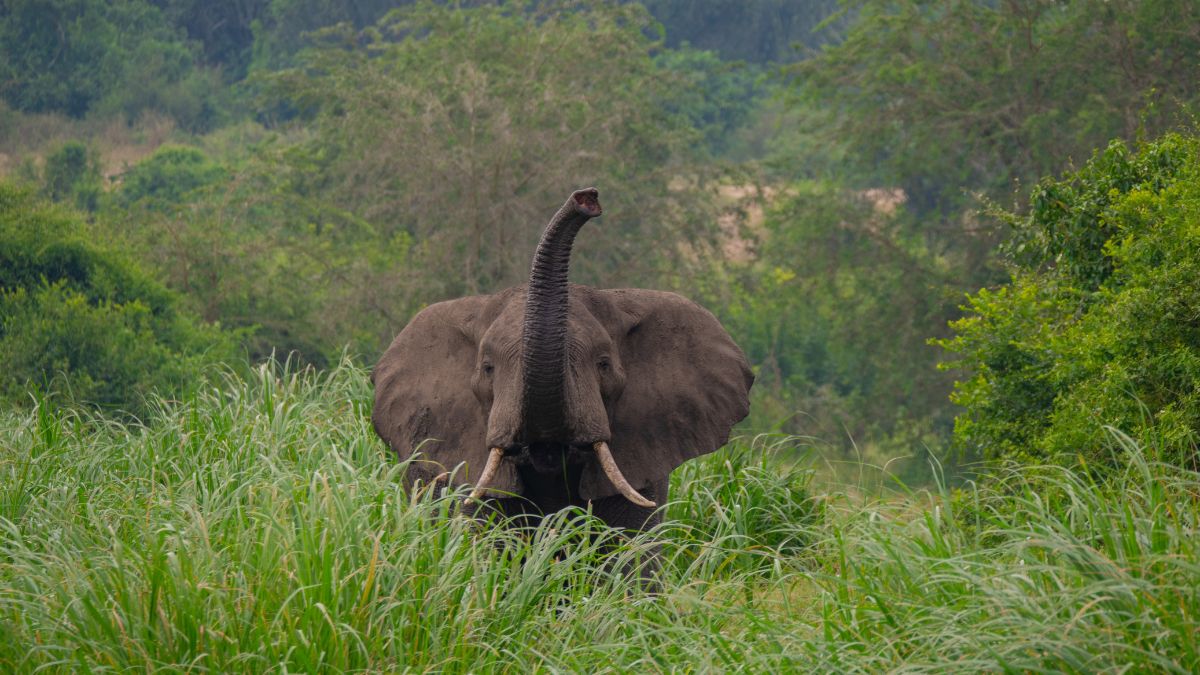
76 56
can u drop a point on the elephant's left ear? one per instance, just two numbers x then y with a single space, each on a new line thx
686 384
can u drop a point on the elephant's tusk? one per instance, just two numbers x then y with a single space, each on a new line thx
618 479
489 472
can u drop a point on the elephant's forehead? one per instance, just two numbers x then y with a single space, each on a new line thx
583 328
507 326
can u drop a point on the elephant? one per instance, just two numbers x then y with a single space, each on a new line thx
550 395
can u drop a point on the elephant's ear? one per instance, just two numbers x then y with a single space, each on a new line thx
686 385
424 401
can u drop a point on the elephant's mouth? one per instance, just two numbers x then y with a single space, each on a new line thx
548 457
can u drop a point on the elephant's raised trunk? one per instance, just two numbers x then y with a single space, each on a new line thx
544 333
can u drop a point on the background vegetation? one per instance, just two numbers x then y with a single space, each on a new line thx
87 323
310 174
1099 323
957 240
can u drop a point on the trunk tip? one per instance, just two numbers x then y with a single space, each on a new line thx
587 202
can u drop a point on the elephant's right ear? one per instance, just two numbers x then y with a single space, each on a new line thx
423 397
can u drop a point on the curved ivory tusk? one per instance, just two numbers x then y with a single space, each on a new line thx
618 479
489 472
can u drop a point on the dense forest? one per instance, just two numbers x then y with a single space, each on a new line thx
953 238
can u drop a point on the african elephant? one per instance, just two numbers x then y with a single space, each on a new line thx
552 394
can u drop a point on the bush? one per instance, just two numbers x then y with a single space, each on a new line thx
80 321
108 354
1100 324
72 175
164 179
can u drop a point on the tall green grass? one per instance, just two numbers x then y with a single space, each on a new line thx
262 527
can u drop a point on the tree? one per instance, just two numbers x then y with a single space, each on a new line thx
72 175
224 31
168 177
462 130
758 31
948 99
948 106
244 250
717 97
73 56
833 308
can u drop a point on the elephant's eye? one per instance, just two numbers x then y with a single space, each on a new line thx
487 368
603 365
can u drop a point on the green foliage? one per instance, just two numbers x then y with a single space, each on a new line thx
194 97
1072 222
834 311
110 355
168 178
260 525
758 31
941 107
63 55
949 98
72 175
224 31
76 55
1098 326
717 98
44 243
247 249
446 137
84 323
287 26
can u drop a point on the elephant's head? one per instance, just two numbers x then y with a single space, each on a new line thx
622 385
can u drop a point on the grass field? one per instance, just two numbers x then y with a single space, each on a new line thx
261 527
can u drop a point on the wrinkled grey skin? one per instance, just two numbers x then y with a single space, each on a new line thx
545 370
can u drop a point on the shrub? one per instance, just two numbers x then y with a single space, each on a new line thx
164 179
72 175
1100 323
80 321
